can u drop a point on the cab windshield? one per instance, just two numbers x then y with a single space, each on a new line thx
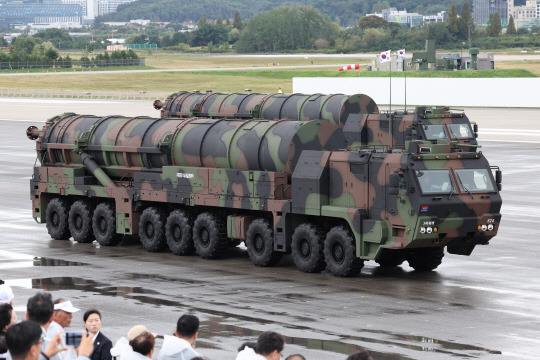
475 180
435 181
460 131
435 132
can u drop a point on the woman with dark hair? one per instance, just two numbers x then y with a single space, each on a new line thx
7 318
102 344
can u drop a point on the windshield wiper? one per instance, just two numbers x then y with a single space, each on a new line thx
464 188
451 191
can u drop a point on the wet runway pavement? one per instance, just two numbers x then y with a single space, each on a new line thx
486 306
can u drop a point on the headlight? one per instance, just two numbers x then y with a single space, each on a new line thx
490 227
484 227
429 230
422 230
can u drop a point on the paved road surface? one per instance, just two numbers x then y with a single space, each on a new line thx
485 306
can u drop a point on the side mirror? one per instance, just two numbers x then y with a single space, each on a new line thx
475 130
498 177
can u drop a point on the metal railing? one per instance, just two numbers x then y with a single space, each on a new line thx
83 94
63 64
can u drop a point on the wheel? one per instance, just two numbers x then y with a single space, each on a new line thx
104 225
56 218
152 229
425 259
178 233
391 258
260 244
209 236
308 248
80 221
340 253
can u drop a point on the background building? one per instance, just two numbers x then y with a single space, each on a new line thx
483 8
63 15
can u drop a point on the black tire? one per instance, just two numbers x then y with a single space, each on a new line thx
391 258
80 221
178 233
340 253
209 236
425 259
152 229
308 248
56 218
260 244
104 225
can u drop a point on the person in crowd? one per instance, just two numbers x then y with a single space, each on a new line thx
24 341
122 348
181 346
270 345
8 318
360 355
246 351
102 344
143 346
62 315
6 294
295 357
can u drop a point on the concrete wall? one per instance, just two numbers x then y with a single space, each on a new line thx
498 92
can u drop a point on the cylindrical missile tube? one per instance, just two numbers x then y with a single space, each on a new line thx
122 145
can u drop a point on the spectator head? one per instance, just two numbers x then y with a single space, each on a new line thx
92 320
270 345
138 330
24 340
187 328
144 344
40 308
360 355
295 357
63 312
6 294
7 317
248 344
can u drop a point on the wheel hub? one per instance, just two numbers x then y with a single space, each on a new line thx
304 248
55 219
204 235
177 233
258 244
338 253
78 222
149 229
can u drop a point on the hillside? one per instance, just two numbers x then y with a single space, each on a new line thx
345 12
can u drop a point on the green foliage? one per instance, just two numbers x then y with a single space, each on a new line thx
452 20
511 28
286 28
209 34
494 27
237 22
465 23
372 22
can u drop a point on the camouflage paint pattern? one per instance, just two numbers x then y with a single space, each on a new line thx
287 171
336 107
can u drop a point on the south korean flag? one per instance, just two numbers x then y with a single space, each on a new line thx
384 56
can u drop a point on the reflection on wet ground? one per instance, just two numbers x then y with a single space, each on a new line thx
221 326
36 261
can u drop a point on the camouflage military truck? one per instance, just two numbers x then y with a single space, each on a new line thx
203 185
358 115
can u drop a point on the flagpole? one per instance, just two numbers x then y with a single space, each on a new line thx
405 71
390 117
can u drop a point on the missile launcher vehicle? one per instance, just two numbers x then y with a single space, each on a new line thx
201 185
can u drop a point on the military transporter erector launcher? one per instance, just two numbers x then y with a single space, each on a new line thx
357 115
203 185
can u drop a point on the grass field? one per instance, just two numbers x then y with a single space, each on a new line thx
263 79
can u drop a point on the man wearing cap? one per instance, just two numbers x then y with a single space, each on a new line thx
6 294
122 349
63 313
